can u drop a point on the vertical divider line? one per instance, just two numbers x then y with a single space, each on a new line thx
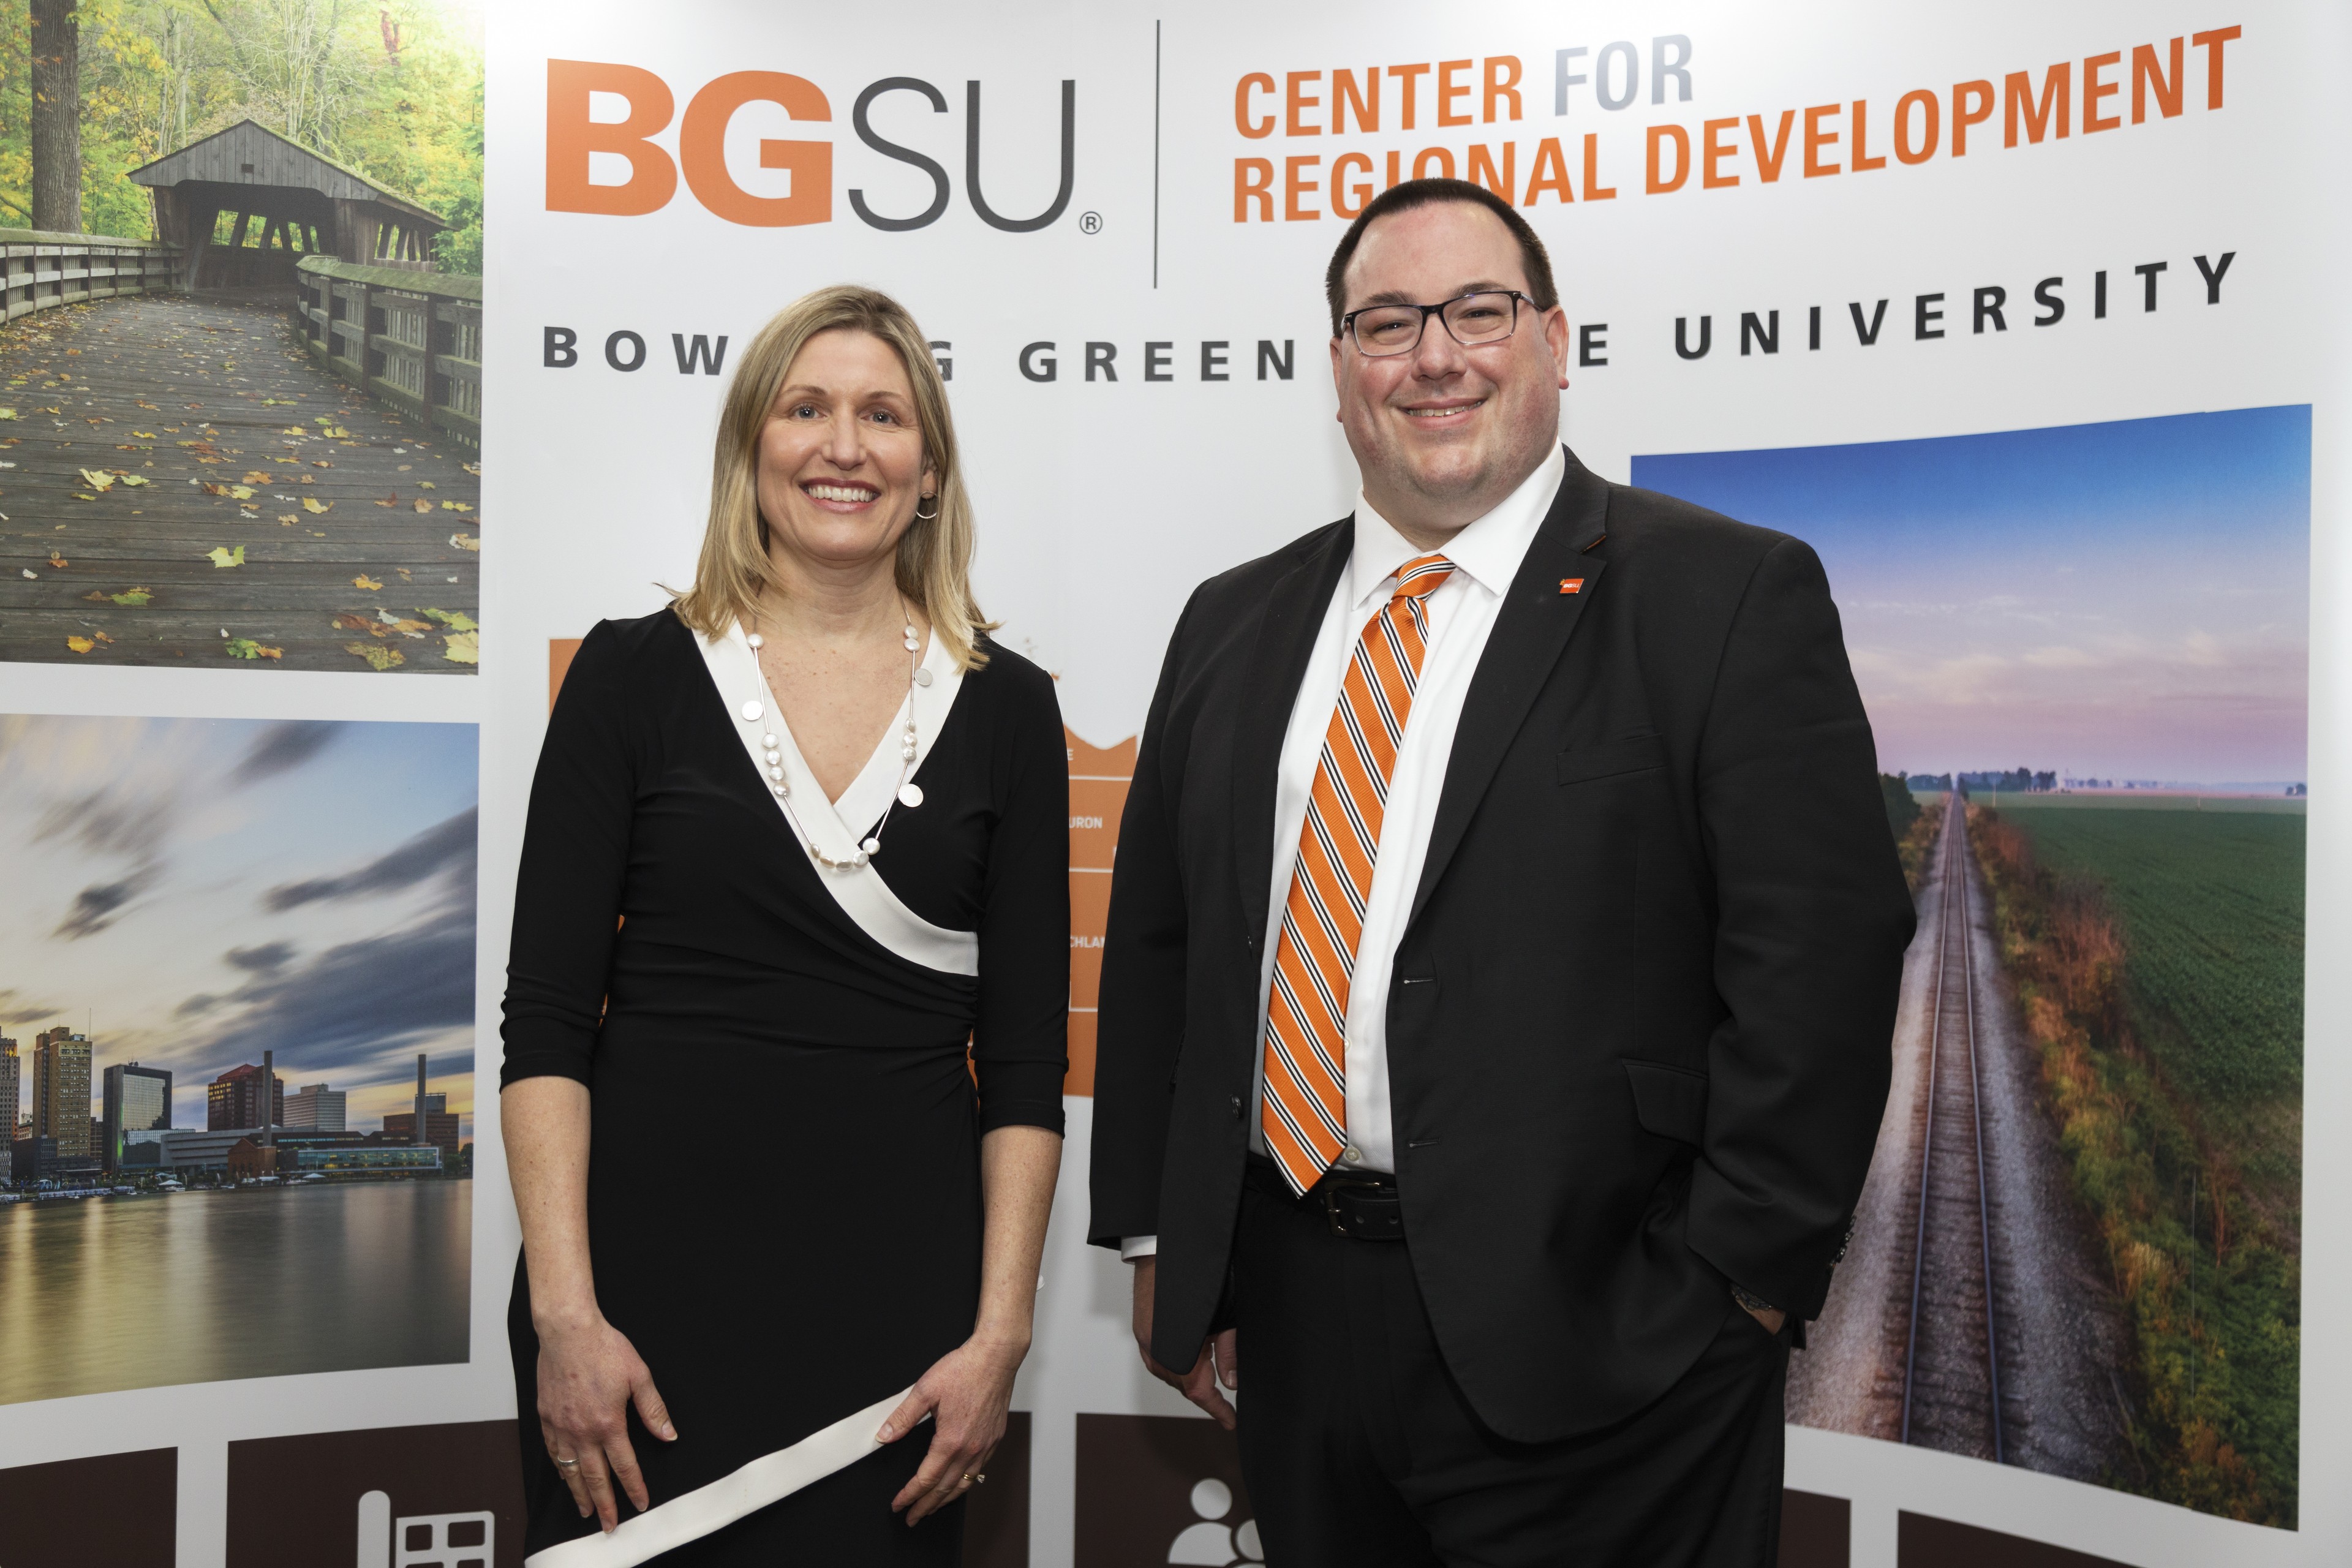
1155 152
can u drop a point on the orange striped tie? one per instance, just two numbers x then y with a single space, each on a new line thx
1305 1114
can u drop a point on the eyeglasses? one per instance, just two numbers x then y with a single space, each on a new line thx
1380 332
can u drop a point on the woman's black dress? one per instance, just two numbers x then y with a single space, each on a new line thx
783 1189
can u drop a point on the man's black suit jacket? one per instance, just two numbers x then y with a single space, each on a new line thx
1638 1034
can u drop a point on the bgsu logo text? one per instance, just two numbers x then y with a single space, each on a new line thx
574 137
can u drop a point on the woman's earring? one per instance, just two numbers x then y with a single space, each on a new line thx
922 516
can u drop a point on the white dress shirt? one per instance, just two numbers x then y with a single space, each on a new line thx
1462 613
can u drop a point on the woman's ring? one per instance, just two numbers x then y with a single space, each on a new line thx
973 1480
567 1464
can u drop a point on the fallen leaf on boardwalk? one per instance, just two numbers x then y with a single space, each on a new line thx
366 582
463 647
426 485
454 506
7 414
304 481
221 557
133 480
213 489
144 404
314 505
406 575
320 463
97 594
57 561
288 519
347 622
30 573
137 598
294 430
80 645
102 637
97 481
391 500
257 478
242 492
378 657
338 432
464 542
80 495
245 648
456 620
473 468
422 505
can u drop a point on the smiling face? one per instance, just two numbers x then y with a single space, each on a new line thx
1442 433
841 457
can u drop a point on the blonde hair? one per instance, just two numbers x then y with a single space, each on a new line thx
934 564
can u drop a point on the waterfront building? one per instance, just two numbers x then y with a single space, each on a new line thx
11 1085
135 1099
233 1099
315 1108
347 1153
39 1159
189 1149
62 1092
440 1128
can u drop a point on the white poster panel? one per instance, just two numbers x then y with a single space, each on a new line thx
1809 232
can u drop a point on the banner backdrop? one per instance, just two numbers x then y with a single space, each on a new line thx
2025 320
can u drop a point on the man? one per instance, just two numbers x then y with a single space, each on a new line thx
1501 965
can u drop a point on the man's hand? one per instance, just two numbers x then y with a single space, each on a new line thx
1220 1355
1770 1317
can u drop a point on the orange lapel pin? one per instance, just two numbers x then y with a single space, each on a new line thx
1571 585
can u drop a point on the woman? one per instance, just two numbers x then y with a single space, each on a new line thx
794 841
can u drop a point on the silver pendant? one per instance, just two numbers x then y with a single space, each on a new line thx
910 795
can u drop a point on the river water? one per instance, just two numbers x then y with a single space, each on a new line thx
197 1287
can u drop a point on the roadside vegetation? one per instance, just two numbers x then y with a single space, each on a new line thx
2158 959
1914 827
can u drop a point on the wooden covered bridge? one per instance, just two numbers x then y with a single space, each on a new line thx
307 206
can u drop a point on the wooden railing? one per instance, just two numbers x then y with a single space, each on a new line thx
413 339
39 269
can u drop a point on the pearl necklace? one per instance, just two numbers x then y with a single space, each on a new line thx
908 793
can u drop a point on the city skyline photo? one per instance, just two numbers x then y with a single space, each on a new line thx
197 896
191 894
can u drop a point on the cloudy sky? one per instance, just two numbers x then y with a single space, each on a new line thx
2125 600
201 890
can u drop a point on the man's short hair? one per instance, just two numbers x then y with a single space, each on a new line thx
1411 193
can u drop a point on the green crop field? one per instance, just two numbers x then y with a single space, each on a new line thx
2211 904
2184 1117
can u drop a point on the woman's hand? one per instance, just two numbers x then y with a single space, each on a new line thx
967 1392
589 1374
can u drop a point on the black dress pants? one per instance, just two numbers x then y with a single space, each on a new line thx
1360 1452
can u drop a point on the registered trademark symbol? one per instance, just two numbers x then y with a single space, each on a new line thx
1090 223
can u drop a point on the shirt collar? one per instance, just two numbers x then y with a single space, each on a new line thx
1488 552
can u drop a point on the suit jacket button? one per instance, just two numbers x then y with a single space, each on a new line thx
1237 1107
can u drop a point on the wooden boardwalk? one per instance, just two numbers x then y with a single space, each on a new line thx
285 522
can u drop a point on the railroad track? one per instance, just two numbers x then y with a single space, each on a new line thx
1951 1370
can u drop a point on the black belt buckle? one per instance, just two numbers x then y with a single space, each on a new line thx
1363 1210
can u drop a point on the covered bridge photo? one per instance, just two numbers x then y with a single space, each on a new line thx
304 204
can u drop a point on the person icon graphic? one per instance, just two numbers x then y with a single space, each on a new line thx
1209 1543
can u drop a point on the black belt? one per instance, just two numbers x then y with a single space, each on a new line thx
1361 1208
